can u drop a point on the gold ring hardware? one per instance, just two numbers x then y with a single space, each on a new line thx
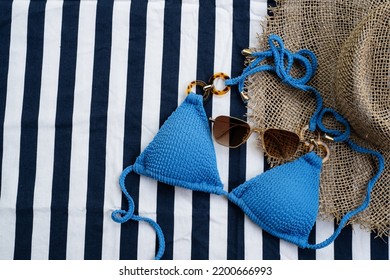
205 87
321 145
216 76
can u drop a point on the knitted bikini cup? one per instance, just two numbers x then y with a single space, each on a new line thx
283 201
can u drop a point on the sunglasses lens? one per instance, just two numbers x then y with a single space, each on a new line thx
280 143
230 132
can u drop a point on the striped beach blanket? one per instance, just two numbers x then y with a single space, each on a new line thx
84 87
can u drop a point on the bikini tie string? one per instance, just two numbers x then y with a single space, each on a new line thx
122 216
283 61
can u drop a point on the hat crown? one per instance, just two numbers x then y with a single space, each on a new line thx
363 77
312 24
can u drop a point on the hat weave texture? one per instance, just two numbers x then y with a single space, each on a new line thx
351 40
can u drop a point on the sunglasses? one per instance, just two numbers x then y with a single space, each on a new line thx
232 132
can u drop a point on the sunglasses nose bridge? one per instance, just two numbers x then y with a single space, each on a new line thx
257 130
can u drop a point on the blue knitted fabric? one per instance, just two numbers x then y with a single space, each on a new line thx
283 61
284 200
182 153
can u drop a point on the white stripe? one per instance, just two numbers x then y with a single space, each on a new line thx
254 156
46 131
188 45
80 134
12 124
252 232
115 127
324 229
221 106
187 73
258 13
150 122
288 251
361 243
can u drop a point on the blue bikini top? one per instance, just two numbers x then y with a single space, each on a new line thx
283 201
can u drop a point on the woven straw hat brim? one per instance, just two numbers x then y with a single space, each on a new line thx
352 46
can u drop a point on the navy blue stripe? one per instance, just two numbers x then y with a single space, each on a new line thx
169 86
133 119
29 130
343 244
5 35
63 132
98 131
379 247
271 244
308 254
237 156
271 247
271 3
205 68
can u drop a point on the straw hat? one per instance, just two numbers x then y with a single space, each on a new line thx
351 40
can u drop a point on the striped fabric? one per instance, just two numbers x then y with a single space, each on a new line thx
84 87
